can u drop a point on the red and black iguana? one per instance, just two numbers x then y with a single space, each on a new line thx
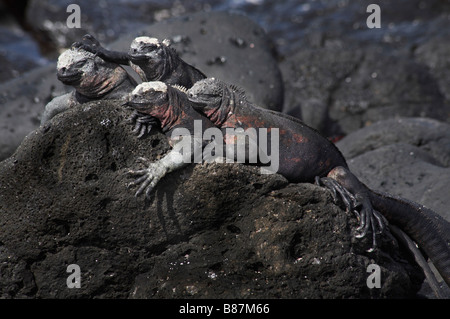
92 78
152 60
304 156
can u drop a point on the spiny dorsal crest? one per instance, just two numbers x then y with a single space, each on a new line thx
238 90
180 88
217 87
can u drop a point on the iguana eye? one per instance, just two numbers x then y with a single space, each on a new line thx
149 47
79 64
155 95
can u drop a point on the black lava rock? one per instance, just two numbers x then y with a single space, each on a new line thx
210 230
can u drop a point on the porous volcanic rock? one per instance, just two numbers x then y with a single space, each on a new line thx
209 231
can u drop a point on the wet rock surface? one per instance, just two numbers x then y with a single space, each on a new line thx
108 19
238 235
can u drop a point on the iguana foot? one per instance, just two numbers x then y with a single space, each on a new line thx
335 188
149 177
88 43
360 205
89 39
143 123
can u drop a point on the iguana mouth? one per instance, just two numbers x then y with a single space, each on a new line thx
136 58
197 100
139 106
70 78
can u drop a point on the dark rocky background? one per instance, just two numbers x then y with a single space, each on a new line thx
214 231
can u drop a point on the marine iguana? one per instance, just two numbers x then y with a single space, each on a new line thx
170 106
152 98
306 156
152 60
92 78
187 130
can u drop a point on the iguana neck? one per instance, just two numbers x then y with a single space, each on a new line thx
170 64
151 73
223 115
103 82
170 115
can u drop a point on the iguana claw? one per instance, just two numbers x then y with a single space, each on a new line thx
89 39
149 177
369 218
88 43
143 123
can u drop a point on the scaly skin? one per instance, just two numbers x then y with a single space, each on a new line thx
92 78
173 110
423 225
153 61
306 155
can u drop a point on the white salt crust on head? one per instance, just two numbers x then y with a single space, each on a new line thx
148 40
139 40
71 56
147 86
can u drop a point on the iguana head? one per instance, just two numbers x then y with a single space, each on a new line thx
89 74
207 94
158 100
73 64
148 97
214 98
150 55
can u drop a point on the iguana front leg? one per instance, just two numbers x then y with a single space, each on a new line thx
91 44
181 155
143 123
153 173
58 105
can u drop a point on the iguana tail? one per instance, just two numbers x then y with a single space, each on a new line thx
428 229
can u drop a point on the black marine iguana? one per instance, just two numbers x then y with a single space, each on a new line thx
152 60
321 161
92 78
306 156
